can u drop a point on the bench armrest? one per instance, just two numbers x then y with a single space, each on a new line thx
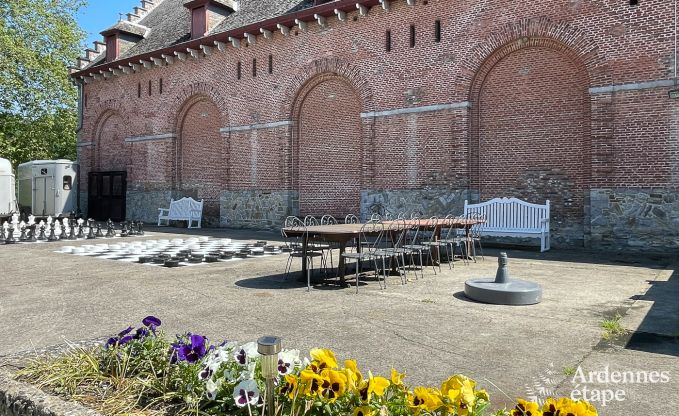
161 210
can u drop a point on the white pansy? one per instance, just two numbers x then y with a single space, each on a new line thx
211 388
246 393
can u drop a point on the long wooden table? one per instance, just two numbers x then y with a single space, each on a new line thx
343 233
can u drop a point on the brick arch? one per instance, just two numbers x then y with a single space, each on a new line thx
200 149
535 32
187 94
326 146
531 129
315 73
110 151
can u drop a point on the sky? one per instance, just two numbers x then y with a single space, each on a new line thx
99 15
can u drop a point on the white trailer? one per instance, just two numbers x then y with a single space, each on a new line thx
48 187
8 200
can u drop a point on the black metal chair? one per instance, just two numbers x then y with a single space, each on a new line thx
295 247
369 240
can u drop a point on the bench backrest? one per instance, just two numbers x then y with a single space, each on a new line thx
510 213
184 207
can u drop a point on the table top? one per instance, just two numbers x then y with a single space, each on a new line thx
354 229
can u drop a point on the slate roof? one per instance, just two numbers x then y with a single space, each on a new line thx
169 23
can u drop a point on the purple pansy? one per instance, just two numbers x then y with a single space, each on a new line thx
151 322
125 331
141 334
124 340
193 351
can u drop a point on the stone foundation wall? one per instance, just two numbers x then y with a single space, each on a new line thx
256 209
143 205
429 201
644 219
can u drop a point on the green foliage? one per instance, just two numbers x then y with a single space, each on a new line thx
39 39
612 327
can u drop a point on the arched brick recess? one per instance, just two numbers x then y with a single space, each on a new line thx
179 103
327 150
111 152
201 156
531 130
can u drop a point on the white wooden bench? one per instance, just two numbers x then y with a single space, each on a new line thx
512 217
185 209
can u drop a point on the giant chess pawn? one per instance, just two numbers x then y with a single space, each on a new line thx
22 237
42 236
124 232
140 228
3 232
31 233
81 233
90 234
53 236
110 232
10 235
99 233
71 233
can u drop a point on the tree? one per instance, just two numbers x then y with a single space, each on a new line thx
39 39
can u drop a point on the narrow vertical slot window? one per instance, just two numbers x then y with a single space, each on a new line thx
160 86
254 67
412 36
150 88
271 64
437 31
139 90
238 70
387 41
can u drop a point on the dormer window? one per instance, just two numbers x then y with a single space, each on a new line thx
208 14
121 37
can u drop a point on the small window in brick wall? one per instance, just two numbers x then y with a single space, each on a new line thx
160 86
150 88
139 90
633 2
254 67
271 64
437 31
412 36
387 41
238 70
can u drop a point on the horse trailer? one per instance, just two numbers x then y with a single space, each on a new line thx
48 187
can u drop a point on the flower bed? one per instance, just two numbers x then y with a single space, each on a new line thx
139 371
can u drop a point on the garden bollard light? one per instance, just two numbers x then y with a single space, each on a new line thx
269 347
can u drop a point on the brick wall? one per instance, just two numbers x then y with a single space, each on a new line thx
536 74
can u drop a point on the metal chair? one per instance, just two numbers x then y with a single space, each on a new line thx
295 246
351 219
419 242
429 239
328 220
394 249
452 240
475 234
369 251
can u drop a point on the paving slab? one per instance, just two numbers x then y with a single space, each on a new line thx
426 328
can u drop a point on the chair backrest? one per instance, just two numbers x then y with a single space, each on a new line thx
396 233
290 221
328 220
509 213
370 236
416 215
295 224
310 220
351 219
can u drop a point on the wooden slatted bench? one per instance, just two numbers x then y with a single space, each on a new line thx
512 217
185 209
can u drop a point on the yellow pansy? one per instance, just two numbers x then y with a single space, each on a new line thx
376 385
456 382
311 382
324 357
363 411
566 406
526 408
290 387
334 384
482 395
425 399
463 398
396 377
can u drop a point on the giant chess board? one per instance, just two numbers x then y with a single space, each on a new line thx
177 252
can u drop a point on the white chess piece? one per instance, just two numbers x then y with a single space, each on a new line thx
31 219
5 226
49 220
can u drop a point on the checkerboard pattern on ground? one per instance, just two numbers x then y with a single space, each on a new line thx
177 252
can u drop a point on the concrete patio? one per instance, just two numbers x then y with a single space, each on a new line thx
426 328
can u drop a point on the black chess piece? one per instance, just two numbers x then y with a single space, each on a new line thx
22 237
52 236
42 236
140 228
71 233
63 235
31 234
10 236
132 228
3 237
81 232
124 232
90 234
110 232
99 234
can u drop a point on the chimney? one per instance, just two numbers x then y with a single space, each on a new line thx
208 14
